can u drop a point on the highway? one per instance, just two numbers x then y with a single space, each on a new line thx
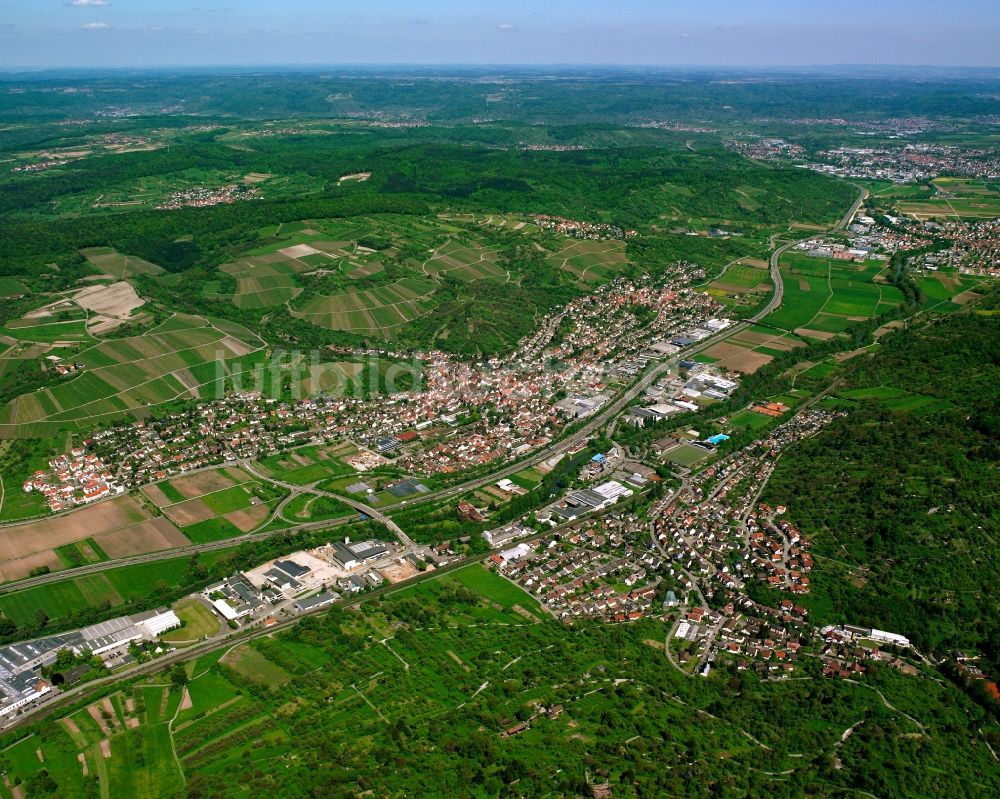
570 442
229 638
604 415
361 507
779 286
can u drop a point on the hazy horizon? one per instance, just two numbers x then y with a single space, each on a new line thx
106 34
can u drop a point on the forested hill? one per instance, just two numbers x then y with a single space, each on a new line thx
901 497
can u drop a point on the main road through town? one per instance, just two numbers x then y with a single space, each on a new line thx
560 447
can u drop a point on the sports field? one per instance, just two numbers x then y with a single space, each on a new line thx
686 455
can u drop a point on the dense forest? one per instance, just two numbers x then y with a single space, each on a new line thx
900 496
463 95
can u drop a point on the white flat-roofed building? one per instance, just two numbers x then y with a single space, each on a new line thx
612 490
889 638
516 553
227 611
157 622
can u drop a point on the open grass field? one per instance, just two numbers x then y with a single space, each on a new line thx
128 375
48 331
488 584
198 620
113 263
247 661
984 207
214 529
10 286
946 290
306 465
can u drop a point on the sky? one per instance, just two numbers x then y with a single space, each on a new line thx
123 33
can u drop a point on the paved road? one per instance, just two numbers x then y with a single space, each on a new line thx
361 507
779 287
229 638
603 416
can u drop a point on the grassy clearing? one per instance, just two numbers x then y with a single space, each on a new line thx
198 621
254 666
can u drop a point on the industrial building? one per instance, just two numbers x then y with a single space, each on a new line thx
21 682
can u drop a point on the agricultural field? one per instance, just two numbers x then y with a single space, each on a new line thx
121 267
112 529
946 290
454 659
466 261
590 262
366 277
742 286
306 465
81 314
149 192
214 504
185 357
86 597
953 198
375 311
823 296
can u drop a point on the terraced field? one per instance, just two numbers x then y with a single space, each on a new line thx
591 261
376 310
464 261
184 357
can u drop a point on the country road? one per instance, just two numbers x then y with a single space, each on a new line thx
361 507
779 286
604 416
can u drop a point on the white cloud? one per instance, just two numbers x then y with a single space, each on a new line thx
89 3
96 26
505 26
